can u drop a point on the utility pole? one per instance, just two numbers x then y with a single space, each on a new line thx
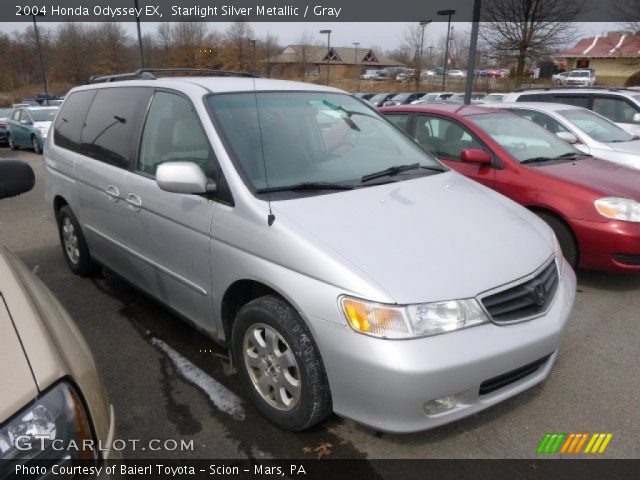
253 55
423 24
357 44
471 68
448 13
139 37
328 34
42 69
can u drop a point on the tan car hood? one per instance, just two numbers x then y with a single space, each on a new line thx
17 385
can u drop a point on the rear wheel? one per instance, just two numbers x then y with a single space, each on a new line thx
279 364
565 237
74 246
12 144
36 145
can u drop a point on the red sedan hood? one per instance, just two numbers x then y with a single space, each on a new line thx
608 178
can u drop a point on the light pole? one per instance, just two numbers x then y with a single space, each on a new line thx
430 56
328 33
447 13
357 44
423 24
253 55
42 69
472 51
139 37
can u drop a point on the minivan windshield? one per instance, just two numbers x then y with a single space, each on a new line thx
596 127
525 140
314 138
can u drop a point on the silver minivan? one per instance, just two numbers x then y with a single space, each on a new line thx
347 270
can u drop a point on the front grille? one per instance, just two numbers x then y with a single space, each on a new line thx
508 378
525 300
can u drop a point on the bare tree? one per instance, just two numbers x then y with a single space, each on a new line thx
303 53
459 40
629 13
112 48
239 54
269 48
529 29
410 44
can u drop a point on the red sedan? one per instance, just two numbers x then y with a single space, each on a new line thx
592 205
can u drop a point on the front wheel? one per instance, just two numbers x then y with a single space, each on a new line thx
279 364
565 237
12 144
36 145
74 246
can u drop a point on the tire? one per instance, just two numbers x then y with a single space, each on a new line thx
12 145
565 237
74 246
259 319
36 145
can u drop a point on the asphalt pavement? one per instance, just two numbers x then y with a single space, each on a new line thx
156 370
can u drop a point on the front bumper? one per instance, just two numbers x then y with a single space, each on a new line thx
610 246
385 383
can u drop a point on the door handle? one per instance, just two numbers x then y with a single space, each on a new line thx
134 201
112 193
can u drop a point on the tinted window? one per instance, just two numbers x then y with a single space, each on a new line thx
573 100
444 138
399 120
172 133
532 97
113 124
615 109
69 123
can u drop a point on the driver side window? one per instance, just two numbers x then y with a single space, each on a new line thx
172 133
444 138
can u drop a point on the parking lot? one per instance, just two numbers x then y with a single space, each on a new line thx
163 377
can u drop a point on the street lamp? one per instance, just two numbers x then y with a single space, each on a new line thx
139 37
357 44
328 33
253 55
423 24
42 70
447 13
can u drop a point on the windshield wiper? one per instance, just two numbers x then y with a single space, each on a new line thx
564 156
308 186
395 170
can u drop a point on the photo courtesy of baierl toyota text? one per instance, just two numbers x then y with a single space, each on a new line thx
319 239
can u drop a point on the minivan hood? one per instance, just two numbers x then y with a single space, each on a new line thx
599 175
432 238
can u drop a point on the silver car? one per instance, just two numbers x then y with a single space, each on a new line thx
346 268
587 131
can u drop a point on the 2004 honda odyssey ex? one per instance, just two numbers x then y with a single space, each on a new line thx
346 269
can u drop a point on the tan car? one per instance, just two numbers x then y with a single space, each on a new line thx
51 396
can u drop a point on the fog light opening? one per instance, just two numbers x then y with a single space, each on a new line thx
439 405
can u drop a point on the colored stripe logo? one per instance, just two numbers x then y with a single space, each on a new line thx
574 443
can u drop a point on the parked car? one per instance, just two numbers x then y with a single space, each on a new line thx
371 75
560 79
424 74
459 97
587 131
378 99
28 127
621 106
404 98
592 205
20 105
363 95
433 97
253 203
456 73
492 98
581 78
4 113
52 396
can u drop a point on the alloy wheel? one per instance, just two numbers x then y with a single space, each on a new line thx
70 239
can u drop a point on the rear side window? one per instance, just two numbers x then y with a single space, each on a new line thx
113 124
578 101
615 109
400 120
544 97
68 126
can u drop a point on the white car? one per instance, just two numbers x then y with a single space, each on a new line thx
560 79
456 73
427 74
587 131
581 78
492 98
433 97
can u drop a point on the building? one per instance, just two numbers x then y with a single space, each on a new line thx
615 58
300 61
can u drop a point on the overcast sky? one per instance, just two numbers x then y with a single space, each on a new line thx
386 35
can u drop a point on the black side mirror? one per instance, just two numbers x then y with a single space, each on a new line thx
16 178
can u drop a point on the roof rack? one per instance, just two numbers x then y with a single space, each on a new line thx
569 87
153 74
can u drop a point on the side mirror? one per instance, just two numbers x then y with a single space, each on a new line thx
636 118
183 177
567 137
474 155
16 178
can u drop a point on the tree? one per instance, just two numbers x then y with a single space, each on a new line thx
459 40
112 49
239 48
629 13
528 29
303 53
269 48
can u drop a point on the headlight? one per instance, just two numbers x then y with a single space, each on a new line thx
559 255
616 208
47 428
421 320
